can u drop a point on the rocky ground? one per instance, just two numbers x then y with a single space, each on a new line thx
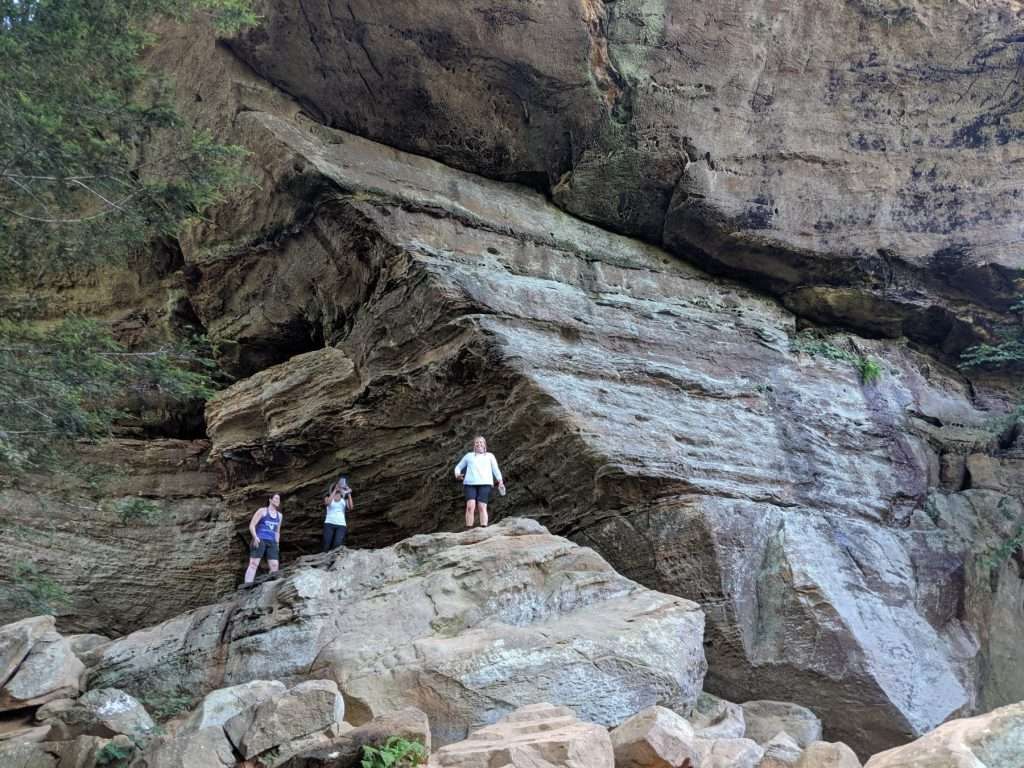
852 543
504 647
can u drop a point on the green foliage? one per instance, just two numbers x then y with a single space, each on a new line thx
868 368
114 756
94 160
34 591
396 753
163 706
64 383
94 164
1006 354
137 510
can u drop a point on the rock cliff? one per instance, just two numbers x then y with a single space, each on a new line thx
854 543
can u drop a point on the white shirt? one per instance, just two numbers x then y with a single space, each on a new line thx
336 513
480 469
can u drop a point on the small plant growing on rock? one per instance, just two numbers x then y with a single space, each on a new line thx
164 706
136 510
36 592
113 756
396 753
869 369
1007 354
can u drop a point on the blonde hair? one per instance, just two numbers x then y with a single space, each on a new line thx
482 439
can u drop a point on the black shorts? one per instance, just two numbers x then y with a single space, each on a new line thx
481 493
268 548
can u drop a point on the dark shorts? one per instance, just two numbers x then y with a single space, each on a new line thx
481 493
268 548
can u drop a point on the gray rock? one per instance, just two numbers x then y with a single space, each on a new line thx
476 622
221 705
993 740
83 643
17 639
311 707
26 734
102 712
50 671
205 748
653 738
766 719
728 753
823 754
715 718
28 755
345 751
782 751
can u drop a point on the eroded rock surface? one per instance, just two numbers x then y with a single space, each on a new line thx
678 424
477 623
535 736
857 158
995 740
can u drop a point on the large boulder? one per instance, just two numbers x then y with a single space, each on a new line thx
311 707
715 718
992 740
17 639
49 671
535 736
477 624
221 705
815 150
102 712
654 738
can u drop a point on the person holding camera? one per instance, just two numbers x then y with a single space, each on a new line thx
337 502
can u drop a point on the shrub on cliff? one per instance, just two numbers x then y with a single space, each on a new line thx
1008 353
94 164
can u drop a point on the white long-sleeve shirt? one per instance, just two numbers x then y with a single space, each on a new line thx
479 468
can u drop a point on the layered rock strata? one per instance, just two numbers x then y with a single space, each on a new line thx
859 159
466 627
678 424
132 535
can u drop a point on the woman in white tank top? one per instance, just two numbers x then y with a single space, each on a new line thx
338 503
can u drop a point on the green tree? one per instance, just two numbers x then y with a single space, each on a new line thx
94 164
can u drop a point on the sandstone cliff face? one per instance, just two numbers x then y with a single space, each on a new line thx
857 158
667 419
847 541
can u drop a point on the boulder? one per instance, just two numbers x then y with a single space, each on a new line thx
654 738
728 753
17 639
823 754
29 755
477 622
49 671
102 712
345 751
535 736
83 643
781 751
221 705
765 719
204 748
95 752
715 718
25 733
310 707
993 740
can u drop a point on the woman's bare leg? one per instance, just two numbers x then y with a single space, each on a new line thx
274 564
470 510
250 572
483 513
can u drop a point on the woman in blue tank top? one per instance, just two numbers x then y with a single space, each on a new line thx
265 527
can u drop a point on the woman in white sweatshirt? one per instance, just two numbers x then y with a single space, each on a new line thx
478 470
